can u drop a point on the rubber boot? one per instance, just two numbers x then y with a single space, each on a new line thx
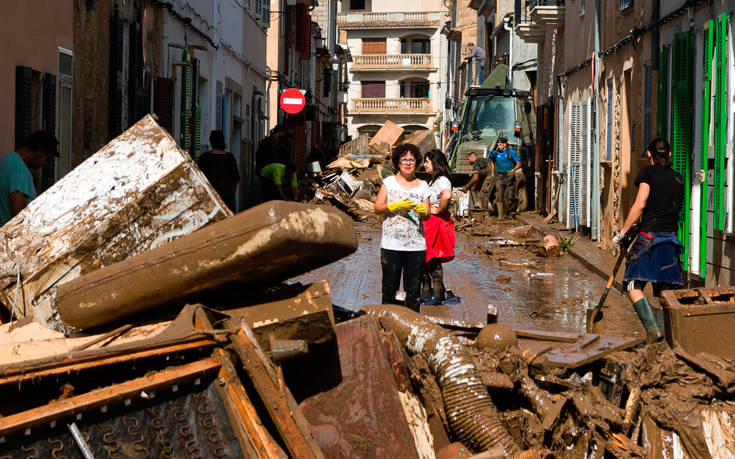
501 210
643 309
483 200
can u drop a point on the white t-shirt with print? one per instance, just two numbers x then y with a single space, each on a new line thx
403 230
440 184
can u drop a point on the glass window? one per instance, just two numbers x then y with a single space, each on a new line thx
357 4
490 115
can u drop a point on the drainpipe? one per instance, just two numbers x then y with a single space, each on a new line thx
506 26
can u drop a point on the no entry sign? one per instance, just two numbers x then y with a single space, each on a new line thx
292 101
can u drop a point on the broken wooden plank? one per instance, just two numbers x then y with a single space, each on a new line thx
136 193
36 370
283 411
253 246
548 335
104 396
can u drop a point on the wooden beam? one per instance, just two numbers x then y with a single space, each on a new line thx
104 396
292 426
17 375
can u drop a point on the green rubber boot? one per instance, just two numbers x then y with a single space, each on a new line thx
643 309
501 210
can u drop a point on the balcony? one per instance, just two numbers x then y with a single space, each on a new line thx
364 20
375 62
404 105
528 30
548 13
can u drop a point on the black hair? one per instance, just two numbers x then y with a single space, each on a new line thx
660 151
41 140
502 138
217 140
290 167
472 153
402 150
439 165
277 129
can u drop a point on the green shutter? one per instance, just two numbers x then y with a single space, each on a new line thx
720 120
196 111
185 117
663 76
681 126
707 47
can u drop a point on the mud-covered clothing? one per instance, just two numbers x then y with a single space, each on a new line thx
504 182
505 160
411 265
222 172
481 166
403 230
14 176
663 205
654 257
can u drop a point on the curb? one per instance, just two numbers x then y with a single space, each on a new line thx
576 255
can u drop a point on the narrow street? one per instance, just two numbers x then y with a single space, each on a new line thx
528 290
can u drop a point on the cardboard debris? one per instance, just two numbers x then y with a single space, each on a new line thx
135 194
424 139
385 139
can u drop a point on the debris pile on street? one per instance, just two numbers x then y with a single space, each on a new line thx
149 326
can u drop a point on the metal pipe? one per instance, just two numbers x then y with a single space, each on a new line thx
510 50
472 416
79 439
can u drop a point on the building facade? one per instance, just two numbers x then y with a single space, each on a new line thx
398 63
619 74
37 88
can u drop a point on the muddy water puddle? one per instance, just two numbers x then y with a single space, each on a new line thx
529 291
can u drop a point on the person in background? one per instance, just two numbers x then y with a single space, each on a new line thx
273 148
504 163
16 181
404 200
221 169
478 54
438 228
654 256
273 178
480 180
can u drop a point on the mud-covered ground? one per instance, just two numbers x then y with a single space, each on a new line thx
529 291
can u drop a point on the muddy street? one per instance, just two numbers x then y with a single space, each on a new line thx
529 291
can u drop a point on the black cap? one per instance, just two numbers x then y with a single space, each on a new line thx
502 138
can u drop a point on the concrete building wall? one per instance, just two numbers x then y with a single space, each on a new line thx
32 34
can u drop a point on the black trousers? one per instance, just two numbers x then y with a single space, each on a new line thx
411 265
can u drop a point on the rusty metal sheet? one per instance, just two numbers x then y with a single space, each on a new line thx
701 320
570 350
270 242
362 416
136 193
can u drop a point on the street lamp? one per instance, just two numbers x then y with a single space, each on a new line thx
335 63
319 42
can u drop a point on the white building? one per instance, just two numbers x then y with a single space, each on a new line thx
214 50
398 61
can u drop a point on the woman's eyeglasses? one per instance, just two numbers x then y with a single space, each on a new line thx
407 160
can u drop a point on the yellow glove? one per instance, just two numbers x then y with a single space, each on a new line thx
421 209
403 204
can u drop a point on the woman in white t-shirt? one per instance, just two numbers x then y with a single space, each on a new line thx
404 200
438 228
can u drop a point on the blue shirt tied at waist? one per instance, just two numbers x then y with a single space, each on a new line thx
505 160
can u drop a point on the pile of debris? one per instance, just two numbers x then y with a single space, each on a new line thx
351 182
141 337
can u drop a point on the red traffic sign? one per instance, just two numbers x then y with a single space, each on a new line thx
292 101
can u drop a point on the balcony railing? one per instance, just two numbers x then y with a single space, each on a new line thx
390 20
548 13
391 61
525 27
407 105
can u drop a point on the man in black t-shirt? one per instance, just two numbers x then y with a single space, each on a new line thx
654 256
480 180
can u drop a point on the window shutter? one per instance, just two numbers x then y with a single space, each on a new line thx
663 77
266 13
23 103
610 100
114 121
48 171
185 114
720 122
681 126
164 104
196 111
708 43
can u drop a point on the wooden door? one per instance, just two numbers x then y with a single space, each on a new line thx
373 46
